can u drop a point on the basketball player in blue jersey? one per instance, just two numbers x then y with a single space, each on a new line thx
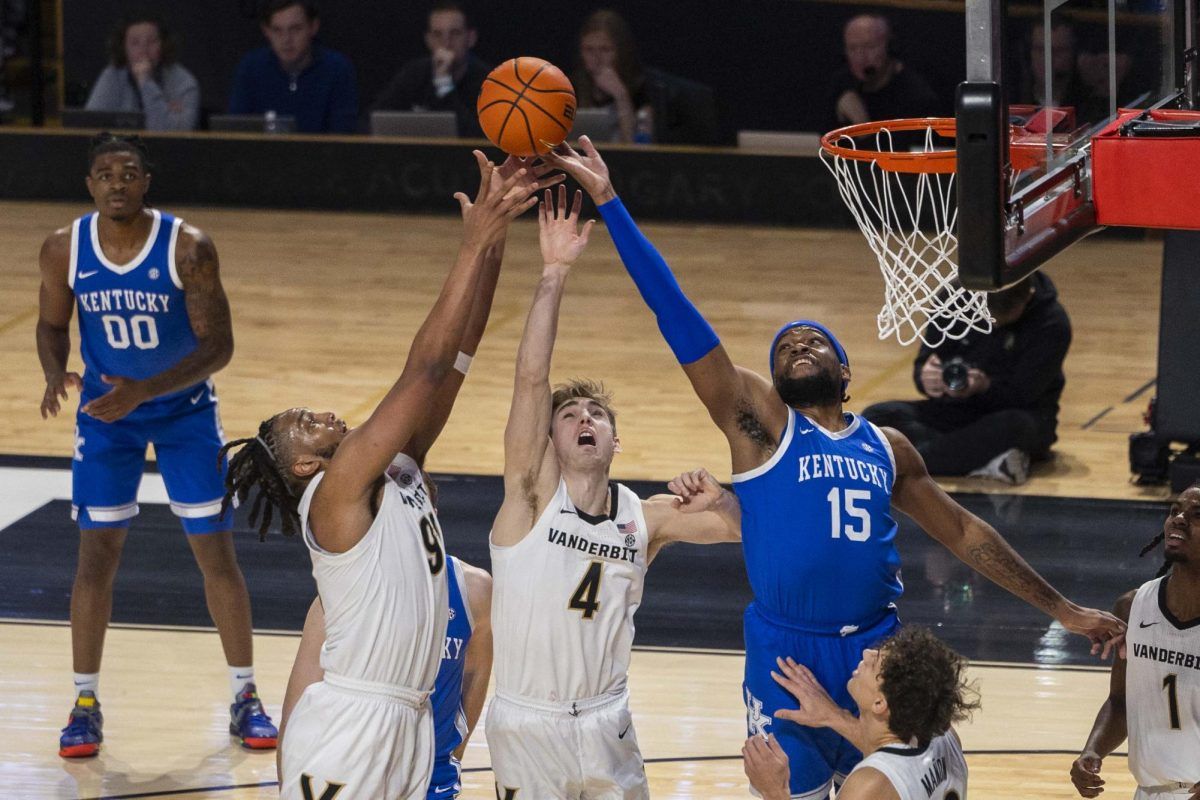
462 678
154 325
816 485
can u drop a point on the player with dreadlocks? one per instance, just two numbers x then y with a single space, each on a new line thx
375 541
1154 693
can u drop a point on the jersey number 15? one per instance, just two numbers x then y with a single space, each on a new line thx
846 502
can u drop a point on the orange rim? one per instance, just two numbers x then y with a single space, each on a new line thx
1022 152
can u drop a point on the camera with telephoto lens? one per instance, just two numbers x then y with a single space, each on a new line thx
954 374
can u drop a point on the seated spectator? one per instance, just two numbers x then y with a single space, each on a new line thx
992 399
875 84
448 79
295 77
647 105
1078 80
143 75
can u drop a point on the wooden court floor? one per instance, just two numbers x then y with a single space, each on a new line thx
324 307
166 728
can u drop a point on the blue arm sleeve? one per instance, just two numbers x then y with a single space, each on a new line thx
688 334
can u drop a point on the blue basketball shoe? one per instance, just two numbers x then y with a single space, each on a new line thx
250 723
83 734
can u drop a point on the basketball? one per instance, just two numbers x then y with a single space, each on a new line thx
526 106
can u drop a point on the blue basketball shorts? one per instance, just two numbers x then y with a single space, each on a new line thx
818 757
110 457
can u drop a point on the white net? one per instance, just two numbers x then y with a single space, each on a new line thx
909 222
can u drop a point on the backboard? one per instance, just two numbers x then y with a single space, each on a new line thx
1053 74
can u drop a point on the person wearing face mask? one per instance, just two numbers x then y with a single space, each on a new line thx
143 75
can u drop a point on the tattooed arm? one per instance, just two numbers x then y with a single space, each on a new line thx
980 547
208 312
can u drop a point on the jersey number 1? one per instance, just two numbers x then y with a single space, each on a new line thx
1172 700
584 598
859 533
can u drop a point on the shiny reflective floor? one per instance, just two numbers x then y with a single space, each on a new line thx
324 306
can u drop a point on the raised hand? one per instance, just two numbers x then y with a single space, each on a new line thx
497 201
587 168
1085 774
56 389
536 171
126 395
817 709
558 229
695 491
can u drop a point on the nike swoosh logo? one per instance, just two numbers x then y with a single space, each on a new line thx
83 275
566 511
443 789
807 430
197 398
621 735
1146 624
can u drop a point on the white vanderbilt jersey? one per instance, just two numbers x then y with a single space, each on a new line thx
386 600
564 598
936 772
1162 691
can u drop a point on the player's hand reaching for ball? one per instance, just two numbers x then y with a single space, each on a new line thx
586 167
536 171
1106 631
558 229
56 389
496 203
817 709
1085 774
696 491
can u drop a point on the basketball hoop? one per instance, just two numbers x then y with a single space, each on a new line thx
904 203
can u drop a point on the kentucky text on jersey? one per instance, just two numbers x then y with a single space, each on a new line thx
1164 655
935 776
832 466
125 300
592 548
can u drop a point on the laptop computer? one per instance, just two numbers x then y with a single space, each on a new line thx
598 124
250 123
430 124
103 120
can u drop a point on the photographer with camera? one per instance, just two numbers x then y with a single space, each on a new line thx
992 399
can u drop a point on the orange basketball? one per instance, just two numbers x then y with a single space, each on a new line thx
526 106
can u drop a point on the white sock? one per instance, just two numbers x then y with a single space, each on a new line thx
238 678
87 682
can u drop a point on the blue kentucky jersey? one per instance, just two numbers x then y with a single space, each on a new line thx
133 322
449 719
817 529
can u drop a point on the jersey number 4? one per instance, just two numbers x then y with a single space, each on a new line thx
846 501
586 592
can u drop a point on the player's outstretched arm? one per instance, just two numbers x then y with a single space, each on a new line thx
306 669
699 511
337 518
56 305
530 470
722 387
477 669
980 547
485 290
199 271
1110 727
